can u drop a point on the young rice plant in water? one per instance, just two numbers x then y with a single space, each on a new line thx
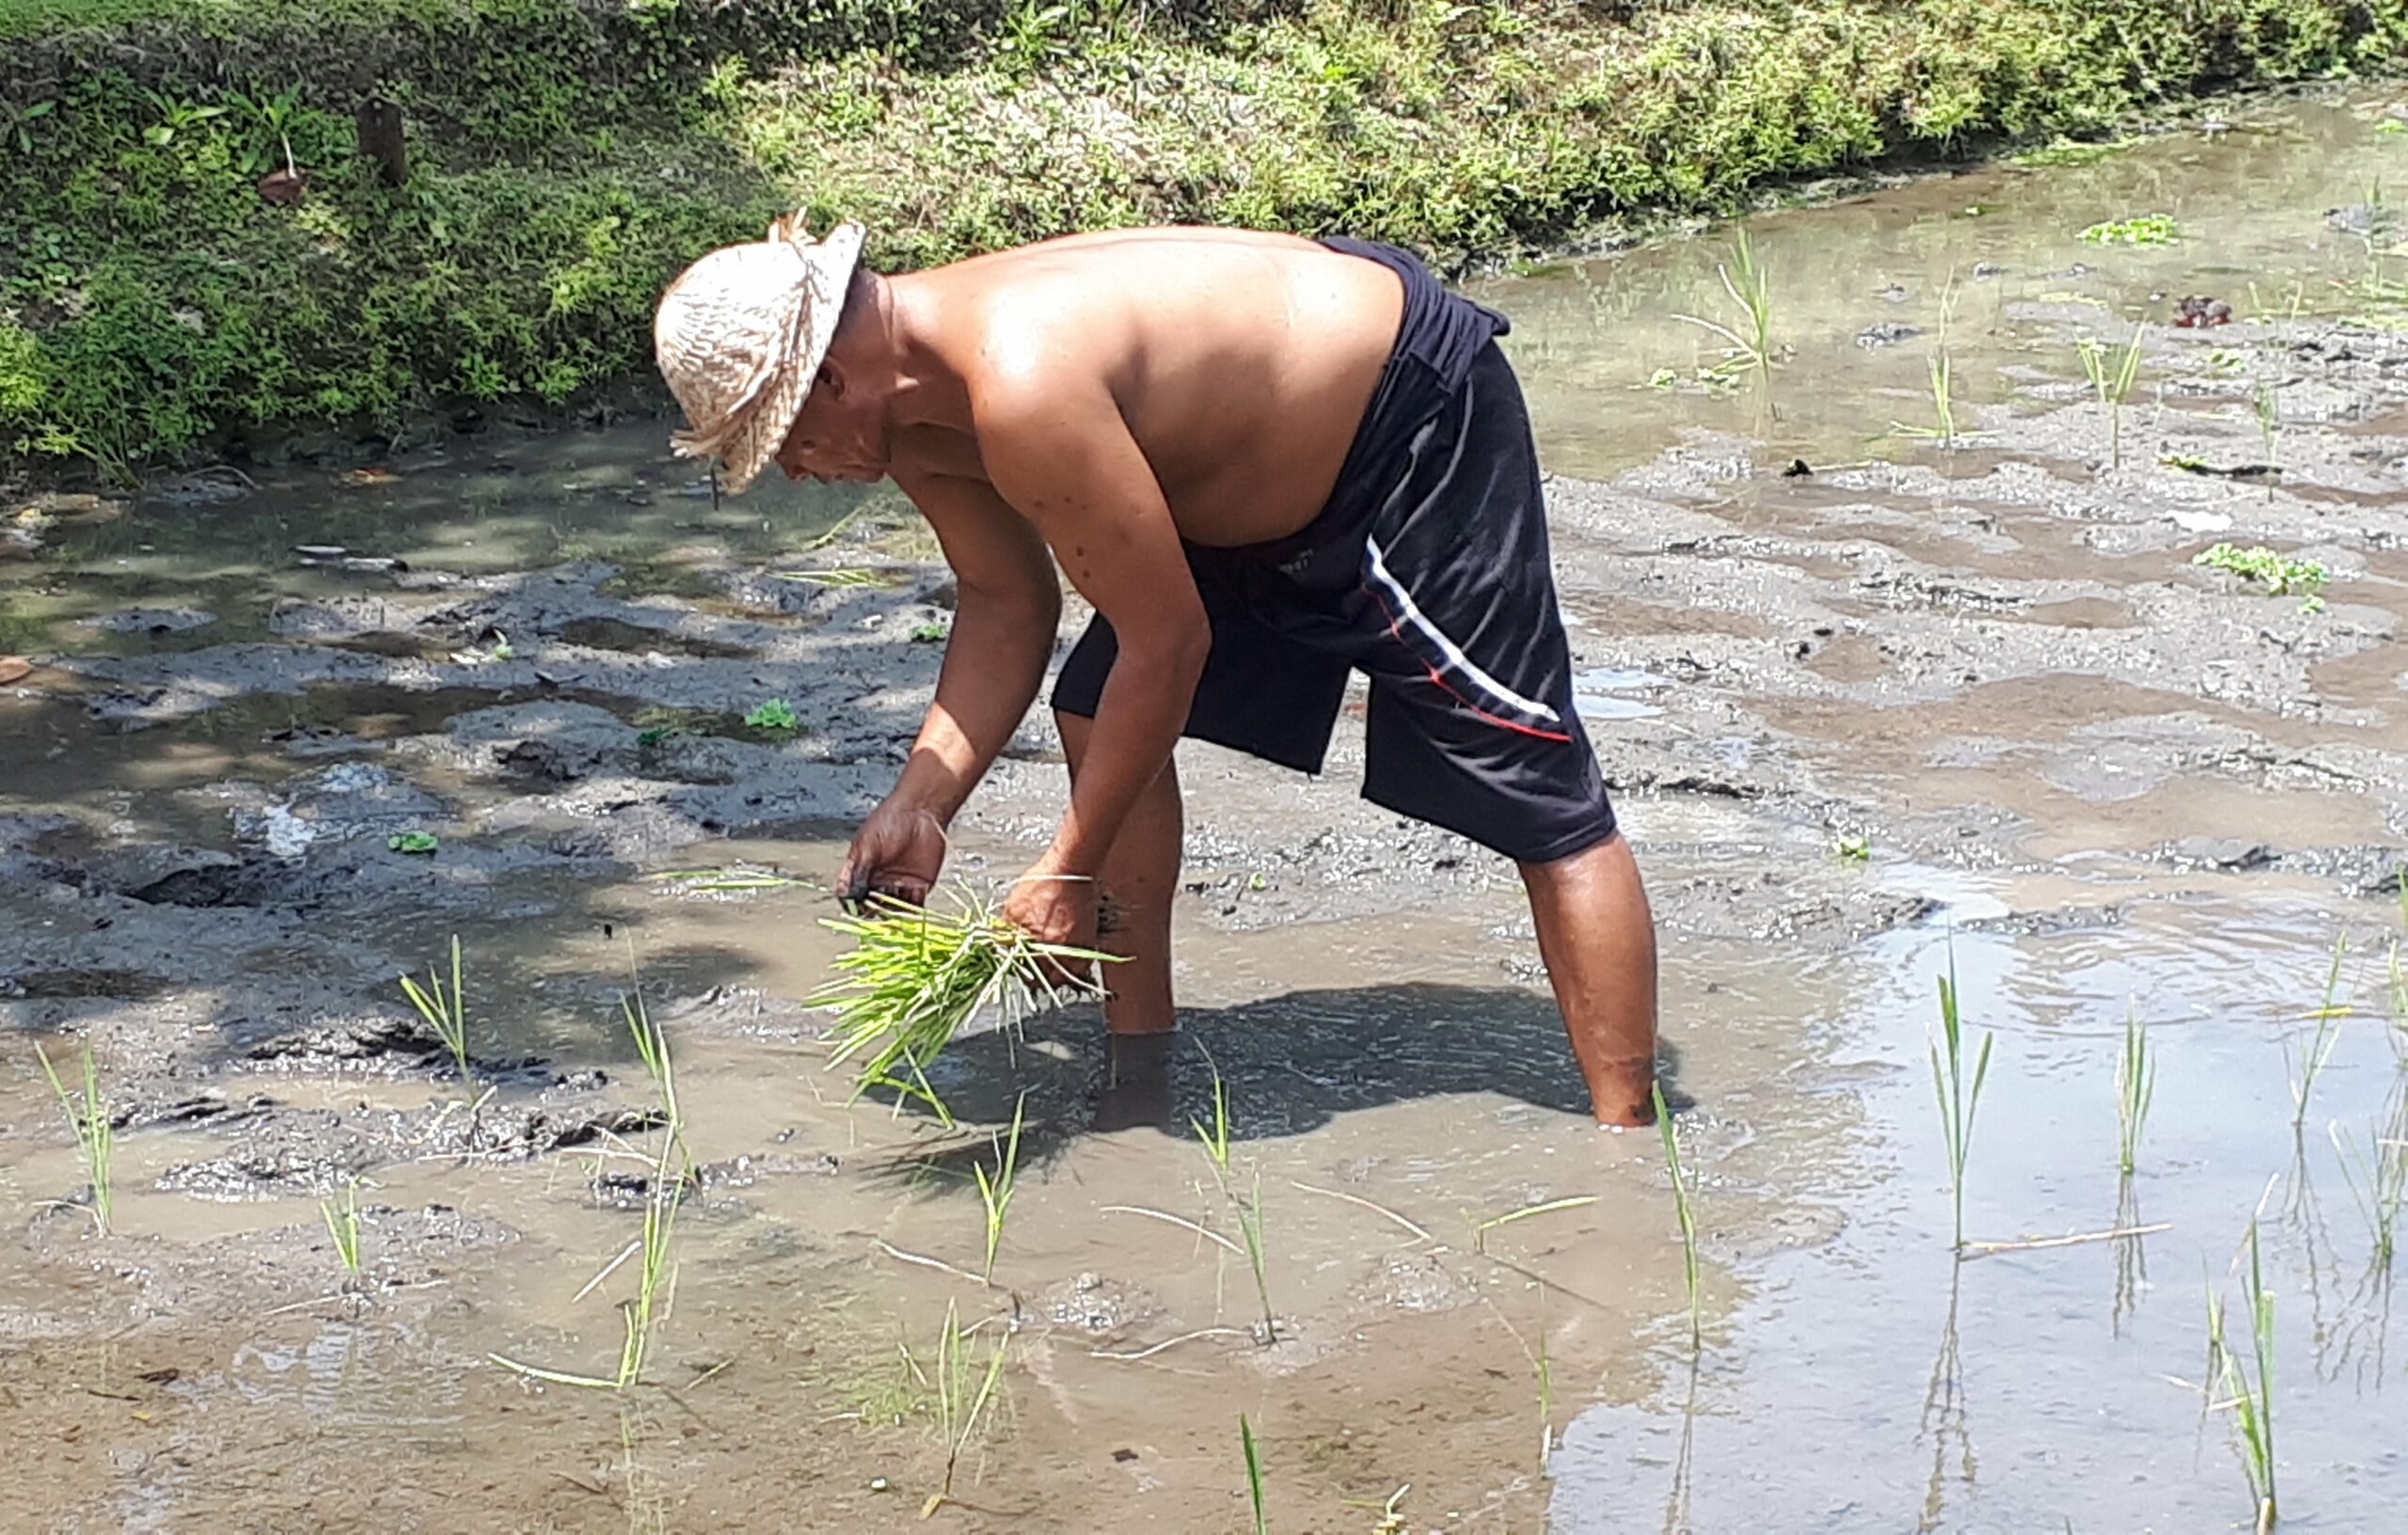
2328 1033
2253 1401
1248 1206
1680 1207
1253 1474
960 1403
87 1115
342 1225
2111 371
1957 1101
2135 1085
996 1192
2377 1184
1750 294
446 1013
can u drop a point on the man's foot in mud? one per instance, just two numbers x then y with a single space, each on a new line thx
1136 1081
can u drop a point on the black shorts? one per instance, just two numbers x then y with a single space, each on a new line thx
1429 573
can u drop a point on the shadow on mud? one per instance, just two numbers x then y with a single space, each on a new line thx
1289 1064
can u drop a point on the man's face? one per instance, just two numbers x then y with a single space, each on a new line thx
839 434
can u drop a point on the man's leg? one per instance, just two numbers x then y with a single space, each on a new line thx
1140 875
1598 940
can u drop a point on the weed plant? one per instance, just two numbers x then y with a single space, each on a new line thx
445 1012
1957 1101
2281 575
772 714
916 975
2141 230
1680 1207
87 1115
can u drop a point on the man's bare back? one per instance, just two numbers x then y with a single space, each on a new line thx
1241 363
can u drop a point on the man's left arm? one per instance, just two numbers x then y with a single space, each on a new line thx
1065 460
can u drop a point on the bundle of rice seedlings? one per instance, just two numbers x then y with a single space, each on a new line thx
916 975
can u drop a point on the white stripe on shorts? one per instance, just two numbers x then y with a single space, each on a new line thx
1409 611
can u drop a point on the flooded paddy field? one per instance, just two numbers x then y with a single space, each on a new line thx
1879 702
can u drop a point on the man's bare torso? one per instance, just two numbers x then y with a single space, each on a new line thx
1241 363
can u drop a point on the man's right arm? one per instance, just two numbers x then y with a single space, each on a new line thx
1008 609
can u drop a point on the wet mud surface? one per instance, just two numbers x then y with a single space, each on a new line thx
1923 705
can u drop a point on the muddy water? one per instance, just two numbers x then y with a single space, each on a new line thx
2098 781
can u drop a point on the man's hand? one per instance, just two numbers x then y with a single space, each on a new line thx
899 851
1054 908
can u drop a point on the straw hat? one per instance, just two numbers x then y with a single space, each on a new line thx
741 335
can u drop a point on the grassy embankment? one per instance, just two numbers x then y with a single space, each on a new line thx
567 155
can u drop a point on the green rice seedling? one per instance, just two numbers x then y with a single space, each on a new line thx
1680 1207
1958 1102
1750 294
2269 408
959 1404
1248 1206
1390 1509
1253 1474
1545 1369
2378 1183
2328 1035
2135 1085
656 1274
916 975
87 1115
995 1192
2253 1401
2111 371
1479 1230
342 1225
446 1013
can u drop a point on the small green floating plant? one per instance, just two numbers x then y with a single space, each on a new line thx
2141 230
2280 575
773 714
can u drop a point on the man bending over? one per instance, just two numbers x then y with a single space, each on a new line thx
1266 462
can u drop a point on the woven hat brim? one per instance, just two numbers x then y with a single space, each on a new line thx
818 305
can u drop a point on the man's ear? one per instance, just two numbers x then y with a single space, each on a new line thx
830 378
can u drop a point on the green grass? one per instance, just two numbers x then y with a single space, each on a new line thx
916 975
445 1012
2135 1087
1957 1100
2280 575
567 158
1680 1207
2140 230
2111 371
87 1117
412 841
996 1192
